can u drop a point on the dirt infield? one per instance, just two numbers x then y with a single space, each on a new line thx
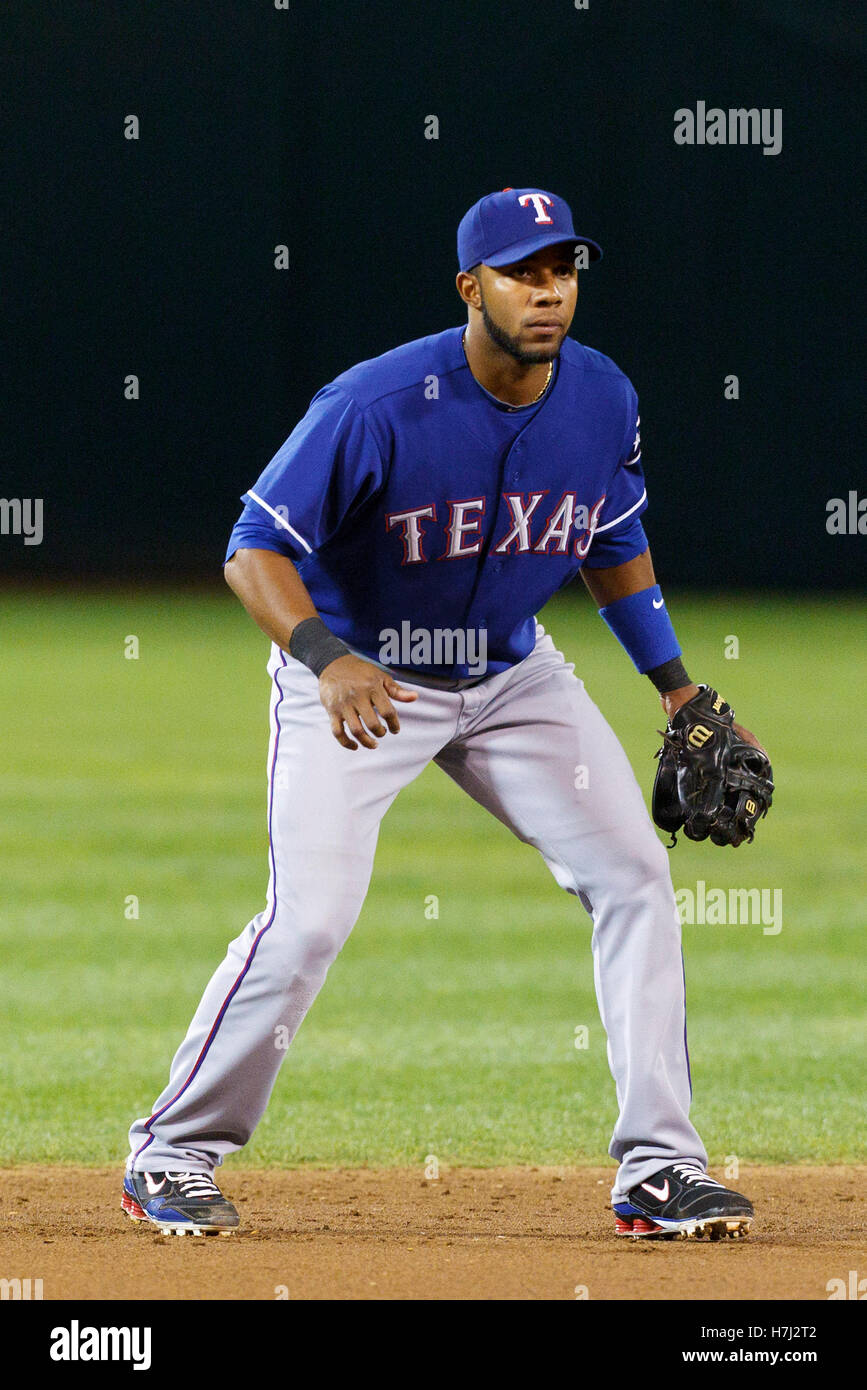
507 1233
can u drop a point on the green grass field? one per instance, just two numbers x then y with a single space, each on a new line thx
453 1037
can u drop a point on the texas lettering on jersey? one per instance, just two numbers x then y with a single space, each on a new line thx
447 508
464 536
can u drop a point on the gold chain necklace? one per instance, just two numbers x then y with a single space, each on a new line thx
535 398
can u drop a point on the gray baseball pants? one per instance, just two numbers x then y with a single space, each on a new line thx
513 743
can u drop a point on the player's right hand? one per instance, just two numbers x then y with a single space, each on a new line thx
355 693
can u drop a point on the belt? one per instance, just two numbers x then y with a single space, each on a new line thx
400 673
413 677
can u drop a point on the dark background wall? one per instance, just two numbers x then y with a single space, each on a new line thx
306 126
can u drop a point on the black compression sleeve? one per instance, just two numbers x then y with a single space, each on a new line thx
671 675
315 646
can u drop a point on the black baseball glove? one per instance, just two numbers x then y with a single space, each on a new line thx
709 780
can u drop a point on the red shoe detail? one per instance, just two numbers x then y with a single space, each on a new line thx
132 1207
640 1227
623 1225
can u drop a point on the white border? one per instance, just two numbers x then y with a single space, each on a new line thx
282 520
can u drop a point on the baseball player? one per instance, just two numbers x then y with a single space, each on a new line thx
396 551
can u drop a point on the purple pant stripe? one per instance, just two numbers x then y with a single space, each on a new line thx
685 1047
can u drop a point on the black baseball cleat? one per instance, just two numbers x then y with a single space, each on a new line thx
178 1203
681 1202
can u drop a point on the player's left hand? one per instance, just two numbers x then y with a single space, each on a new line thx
672 702
714 777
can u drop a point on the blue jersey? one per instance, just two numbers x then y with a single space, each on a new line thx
411 500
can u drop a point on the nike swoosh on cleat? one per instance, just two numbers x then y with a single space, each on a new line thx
660 1192
154 1187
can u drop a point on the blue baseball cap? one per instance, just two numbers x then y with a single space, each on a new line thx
504 227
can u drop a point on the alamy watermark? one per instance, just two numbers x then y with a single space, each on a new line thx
732 907
736 125
853 1287
847 516
22 516
20 1290
77 1343
435 646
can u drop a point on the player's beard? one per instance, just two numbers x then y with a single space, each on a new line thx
504 340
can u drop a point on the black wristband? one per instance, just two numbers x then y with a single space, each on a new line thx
671 675
315 646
